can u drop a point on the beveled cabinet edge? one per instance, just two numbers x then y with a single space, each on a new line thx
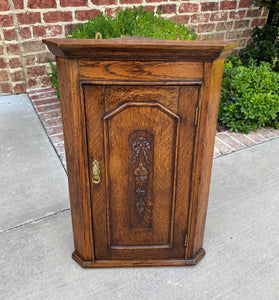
138 263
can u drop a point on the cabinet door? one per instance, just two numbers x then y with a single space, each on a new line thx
141 141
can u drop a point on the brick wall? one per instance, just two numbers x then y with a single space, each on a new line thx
23 23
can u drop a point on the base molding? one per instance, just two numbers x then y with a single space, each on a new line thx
138 263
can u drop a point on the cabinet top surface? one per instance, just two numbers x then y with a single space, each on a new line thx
139 48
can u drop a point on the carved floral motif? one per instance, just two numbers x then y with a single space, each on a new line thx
141 147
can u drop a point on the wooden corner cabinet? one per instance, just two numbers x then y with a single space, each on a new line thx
139 118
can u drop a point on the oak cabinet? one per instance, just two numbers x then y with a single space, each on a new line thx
139 118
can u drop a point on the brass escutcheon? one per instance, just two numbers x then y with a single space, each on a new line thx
96 172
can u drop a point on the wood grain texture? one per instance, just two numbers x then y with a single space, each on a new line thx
118 95
144 49
140 71
146 111
73 117
209 104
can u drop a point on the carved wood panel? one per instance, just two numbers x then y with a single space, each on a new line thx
141 141
140 176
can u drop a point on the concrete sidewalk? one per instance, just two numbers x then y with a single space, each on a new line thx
241 239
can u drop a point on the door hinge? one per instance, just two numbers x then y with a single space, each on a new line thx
185 239
196 116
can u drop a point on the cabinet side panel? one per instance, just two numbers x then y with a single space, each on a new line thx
75 146
209 103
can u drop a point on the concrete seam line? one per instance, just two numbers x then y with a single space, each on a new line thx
33 221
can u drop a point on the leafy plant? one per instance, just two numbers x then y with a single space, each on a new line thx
132 22
249 96
128 22
54 78
264 47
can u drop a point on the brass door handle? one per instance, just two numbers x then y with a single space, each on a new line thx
96 172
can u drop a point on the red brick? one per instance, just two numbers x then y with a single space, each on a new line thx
46 108
28 18
10 34
148 7
219 16
110 12
45 57
234 35
255 137
4 76
6 20
130 1
58 16
50 115
236 15
5 88
224 137
18 4
205 28
251 13
181 19
216 153
58 139
36 71
25 32
84 15
4 5
31 83
245 4
13 49
103 2
33 46
224 26
225 5
266 133
241 138
241 24
53 122
200 18
45 81
75 3
155 0
29 60
47 31
265 12
217 36
45 102
19 88
41 4
54 130
258 22
41 91
14 62
49 93
17 76
1 50
275 131
209 6
222 147
167 8
69 27
188 8
3 64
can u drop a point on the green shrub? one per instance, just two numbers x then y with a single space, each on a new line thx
132 22
128 22
249 96
54 78
264 47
